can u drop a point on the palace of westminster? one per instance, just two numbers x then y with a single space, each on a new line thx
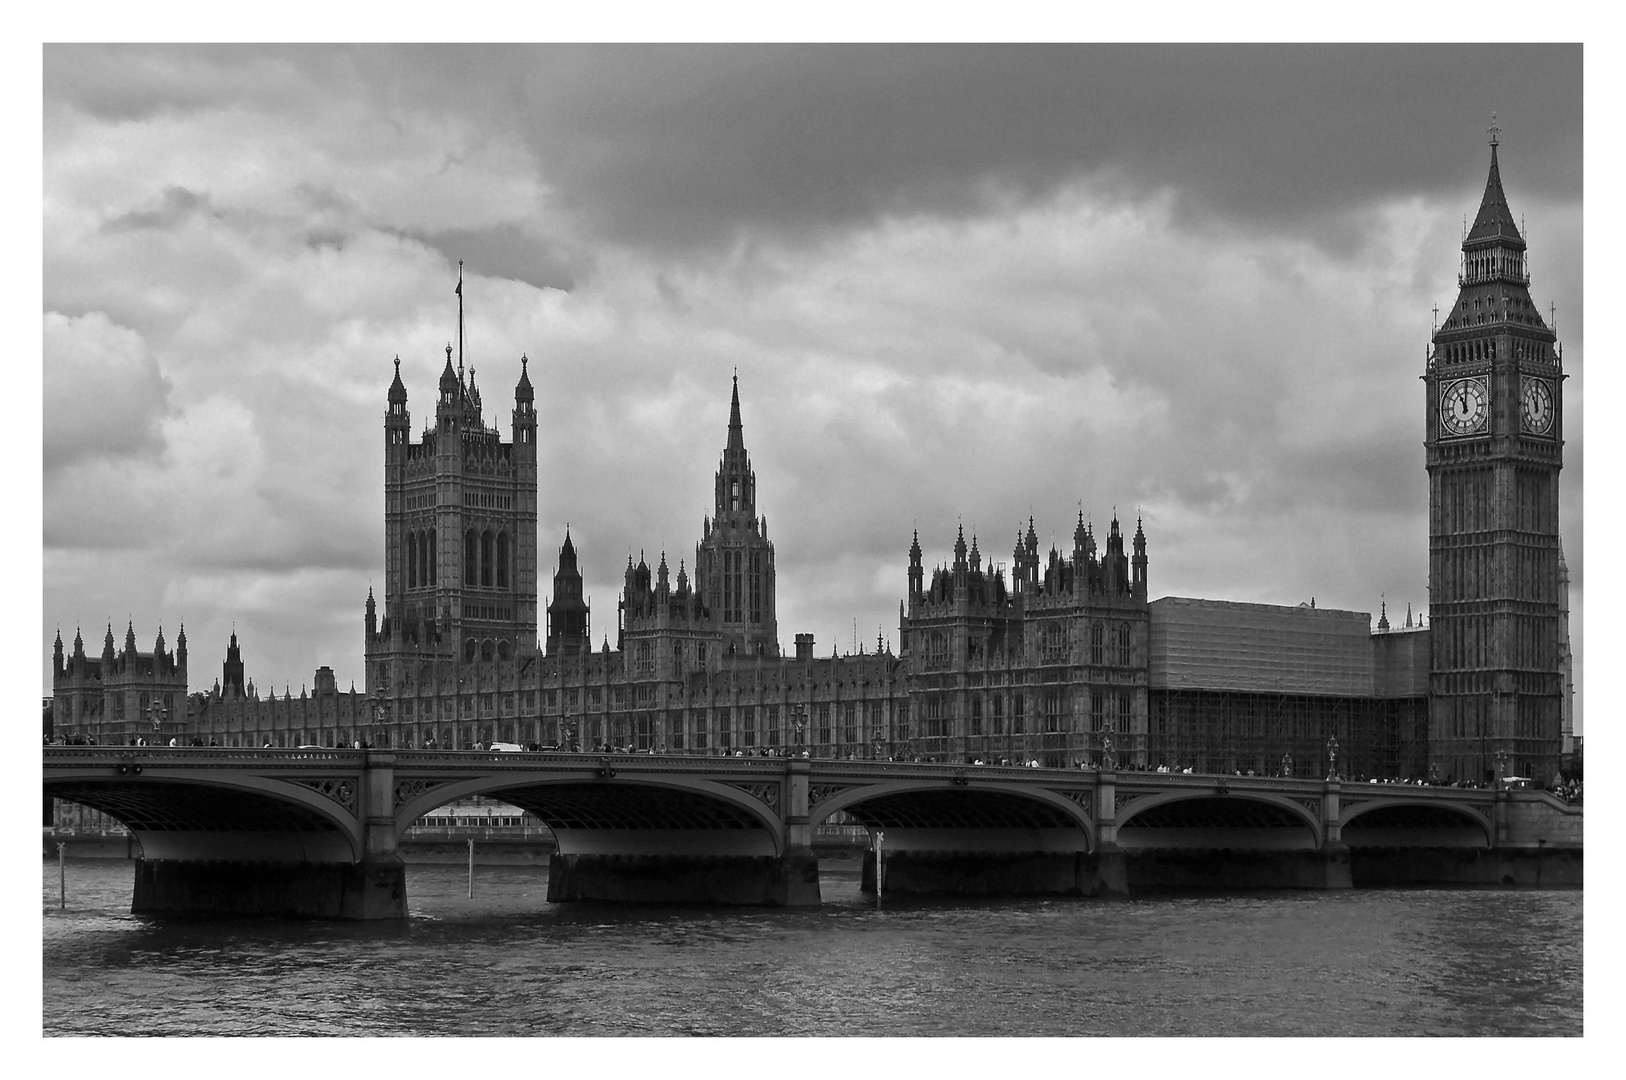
1066 663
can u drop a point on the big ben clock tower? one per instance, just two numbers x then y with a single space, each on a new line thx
1494 448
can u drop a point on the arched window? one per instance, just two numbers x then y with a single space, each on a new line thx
471 558
429 578
504 650
1123 644
1095 643
412 560
488 649
469 647
486 544
502 560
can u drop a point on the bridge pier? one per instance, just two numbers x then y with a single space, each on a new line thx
373 889
1334 853
790 880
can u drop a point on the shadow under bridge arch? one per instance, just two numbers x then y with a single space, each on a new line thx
246 819
631 815
974 817
1217 821
1413 823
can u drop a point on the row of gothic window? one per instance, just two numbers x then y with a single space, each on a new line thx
734 588
1108 711
487 649
486 559
1053 645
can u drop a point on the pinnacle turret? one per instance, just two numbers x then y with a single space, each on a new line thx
523 391
449 382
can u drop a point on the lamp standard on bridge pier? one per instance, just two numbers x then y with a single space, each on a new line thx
158 714
381 714
1332 757
1287 765
799 723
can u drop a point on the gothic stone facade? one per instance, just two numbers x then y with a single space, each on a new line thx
119 696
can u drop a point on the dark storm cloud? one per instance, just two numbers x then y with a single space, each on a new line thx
506 252
695 144
672 146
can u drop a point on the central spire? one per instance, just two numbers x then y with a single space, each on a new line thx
736 430
1495 220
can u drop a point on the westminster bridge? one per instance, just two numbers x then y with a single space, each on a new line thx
315 832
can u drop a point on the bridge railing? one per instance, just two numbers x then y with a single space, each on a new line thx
196 754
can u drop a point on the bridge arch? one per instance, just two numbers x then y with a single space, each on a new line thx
1397 821
192 814
1219 818
912 805
584 801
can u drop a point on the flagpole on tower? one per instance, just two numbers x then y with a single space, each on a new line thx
460 320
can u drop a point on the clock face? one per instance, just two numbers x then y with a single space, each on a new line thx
1536 406
1464 407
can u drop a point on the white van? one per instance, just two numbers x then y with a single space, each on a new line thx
506 747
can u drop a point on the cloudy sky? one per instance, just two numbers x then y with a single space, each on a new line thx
961 285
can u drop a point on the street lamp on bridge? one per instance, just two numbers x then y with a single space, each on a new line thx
158 714
381 713
1332 757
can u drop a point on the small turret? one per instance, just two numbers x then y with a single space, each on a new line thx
1138 563
397 393
1018 562
916 573
523 393
450 387
57 665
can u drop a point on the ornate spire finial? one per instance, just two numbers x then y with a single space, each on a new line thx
1494 130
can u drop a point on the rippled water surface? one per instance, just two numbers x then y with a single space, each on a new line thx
1381 962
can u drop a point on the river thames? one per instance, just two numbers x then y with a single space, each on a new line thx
1446 961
